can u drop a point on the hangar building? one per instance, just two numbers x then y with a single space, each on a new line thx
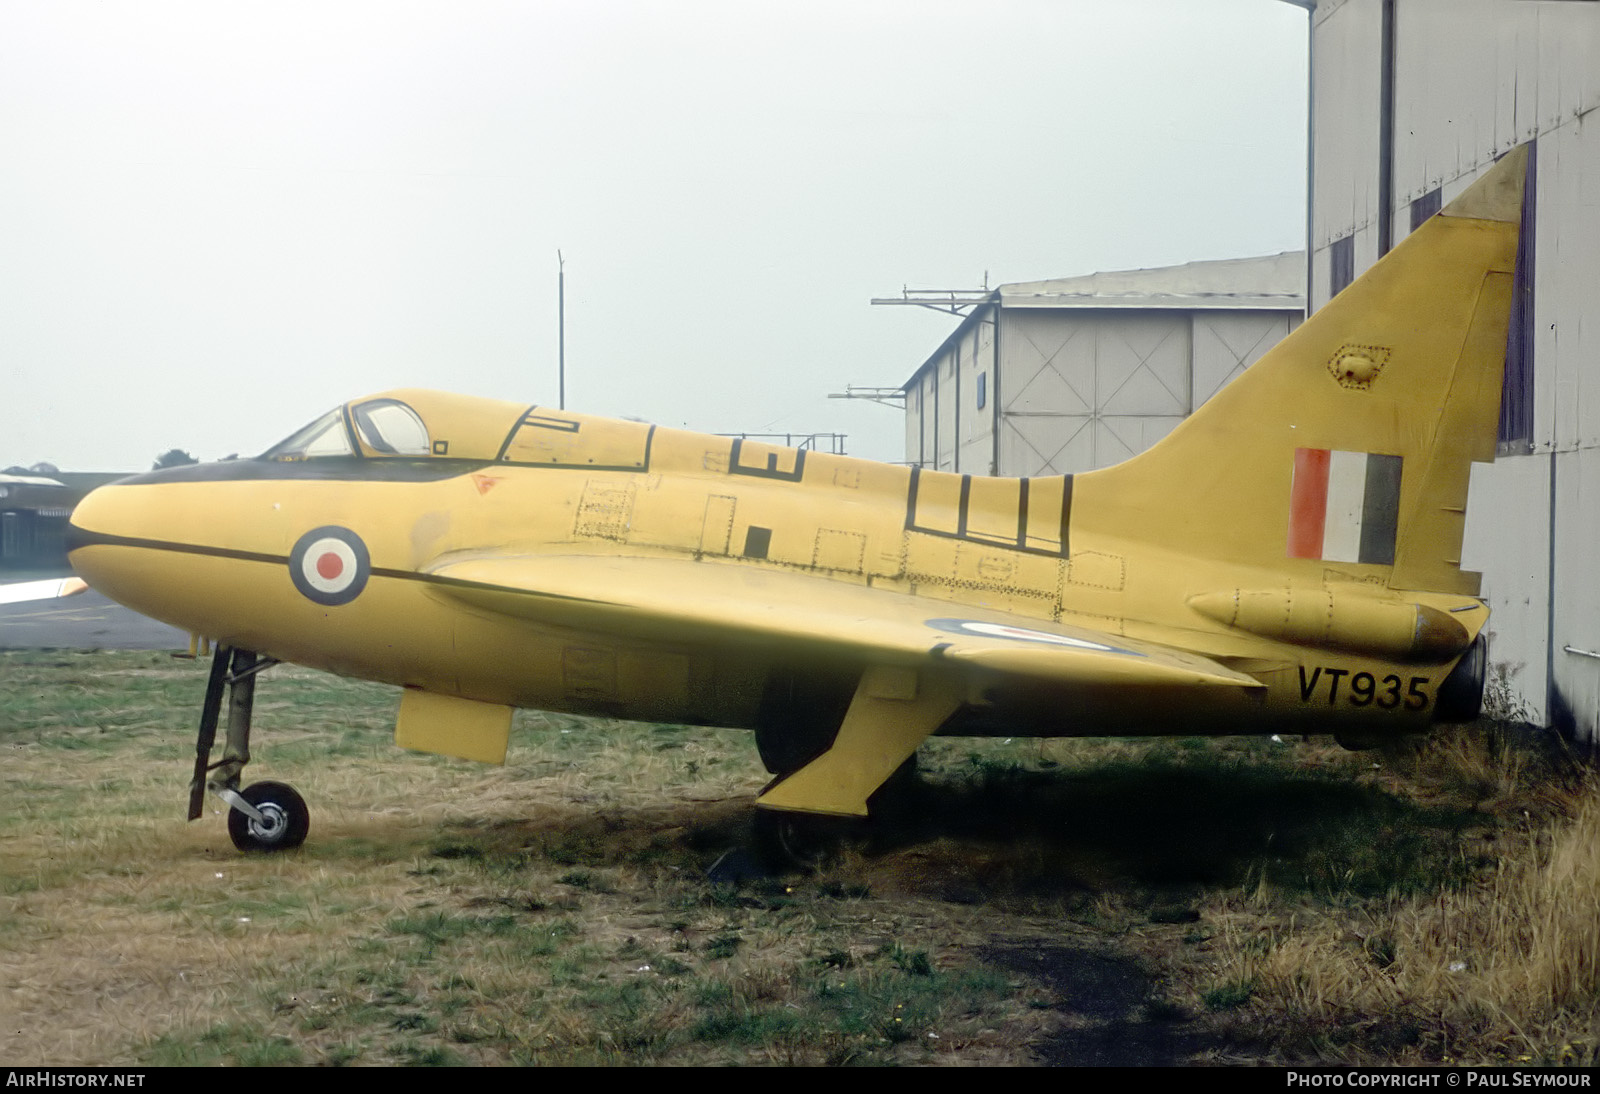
1051 377
34 508
33 519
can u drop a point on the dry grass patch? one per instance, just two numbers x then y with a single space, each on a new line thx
1498 962
1175 900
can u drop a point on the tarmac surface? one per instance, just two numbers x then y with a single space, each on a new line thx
87 621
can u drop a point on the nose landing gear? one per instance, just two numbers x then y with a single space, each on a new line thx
265 816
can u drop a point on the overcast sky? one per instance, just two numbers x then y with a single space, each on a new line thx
219 219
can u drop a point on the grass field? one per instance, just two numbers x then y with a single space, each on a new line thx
1104 901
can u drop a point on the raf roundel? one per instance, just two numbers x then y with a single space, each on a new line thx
330 565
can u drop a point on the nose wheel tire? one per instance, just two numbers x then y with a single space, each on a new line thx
284 824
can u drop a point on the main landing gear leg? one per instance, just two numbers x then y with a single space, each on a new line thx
894 710
265 816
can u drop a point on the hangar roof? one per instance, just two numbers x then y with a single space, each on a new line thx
1268 282
1271 281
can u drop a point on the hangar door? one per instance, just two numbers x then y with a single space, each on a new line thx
1087 389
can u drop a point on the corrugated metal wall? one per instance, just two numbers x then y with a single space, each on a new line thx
1567 366
1472 79
1344 132
977 383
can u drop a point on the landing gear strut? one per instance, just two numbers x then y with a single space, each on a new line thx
844 770
265 816
788 840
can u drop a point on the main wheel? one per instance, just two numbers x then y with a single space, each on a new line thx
804 841
285 819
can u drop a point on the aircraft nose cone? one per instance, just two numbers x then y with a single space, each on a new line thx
88 514
152 510
98 526
107 514
182 546
121 540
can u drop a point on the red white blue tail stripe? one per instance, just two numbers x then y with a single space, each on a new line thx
1344 506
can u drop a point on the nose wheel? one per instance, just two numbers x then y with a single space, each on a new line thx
281 821
264 816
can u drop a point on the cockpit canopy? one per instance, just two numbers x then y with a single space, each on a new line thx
382 427
415 424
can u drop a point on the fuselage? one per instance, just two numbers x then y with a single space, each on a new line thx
333 551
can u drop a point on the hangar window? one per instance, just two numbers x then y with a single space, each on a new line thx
390 428
983 389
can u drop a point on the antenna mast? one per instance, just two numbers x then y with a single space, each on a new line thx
561 329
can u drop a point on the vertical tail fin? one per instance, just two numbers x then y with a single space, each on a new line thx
1351 441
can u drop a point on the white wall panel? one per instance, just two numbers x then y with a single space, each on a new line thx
1044 413
976 450
1344 93
1575 31
1576 607
1225 343
976 456
1053 445
1122 438
1567 289
1475 78
1142 364
949 395
1366 248
931 385
977 423
913 422
1448 102
1040 350
1508 541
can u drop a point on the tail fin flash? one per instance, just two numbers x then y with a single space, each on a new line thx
1351 441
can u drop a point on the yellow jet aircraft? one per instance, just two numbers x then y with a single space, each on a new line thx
1286 560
